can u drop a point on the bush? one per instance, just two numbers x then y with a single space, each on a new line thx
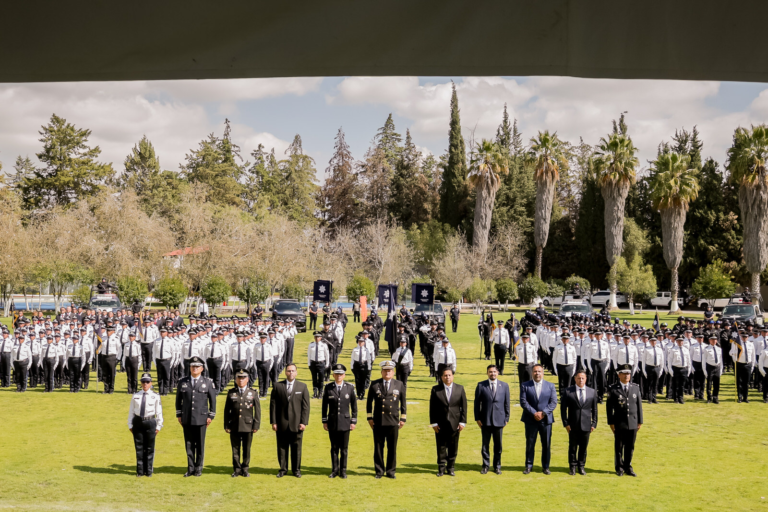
171 291
713 282
572 281
131 289
532 287
359 286
253 289
215 290
481 290
555 288
452 295
82 295
506 290
292 290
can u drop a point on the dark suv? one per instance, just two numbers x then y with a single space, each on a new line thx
285 309
433 311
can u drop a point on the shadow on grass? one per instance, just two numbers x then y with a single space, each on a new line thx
475 468
122 469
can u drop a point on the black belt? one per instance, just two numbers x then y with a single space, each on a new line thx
144 418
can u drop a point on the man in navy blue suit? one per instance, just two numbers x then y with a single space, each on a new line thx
578 409
538 398
492 415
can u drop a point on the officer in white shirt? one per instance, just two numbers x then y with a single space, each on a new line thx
444 355
625 353
762 366
699 376
49 358
215 358
564 362
318 359
149 334
597 356
526 355
403 358
743 352
111 352
500 343
361 363
145 419
163 352
22 361
679 365
6 347
75 363
712 359
653 366
263 360
131 361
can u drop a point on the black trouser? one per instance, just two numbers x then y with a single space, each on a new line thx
253 373
34 372
132 373
454 324
532 431
288 355
164 376
73 364
652 381
487 346
765 384
59 374
623 448
144 432
447 441
381 436
487 434
312 322
402 372
194 442
20 372
48 364
564 376
288 441
339 450
5 369
108 372
637 378
577 448
699 379
713 381
186 367
146 356
86 373
743 374
679 376
524 372
361 374
599 377
262 370
274 372
500 354
214 371
355 316
317 369
241 441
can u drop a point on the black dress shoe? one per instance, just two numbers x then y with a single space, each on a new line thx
619 472
391 476
148 474
451 472
746 400
547 472
631 472
245 473
526 471
440 472
189 473
572 471
297 474
333 475
497 471
378 476
280 474
199 472
139 475
716 400
235 474
484 470
582 471
343 475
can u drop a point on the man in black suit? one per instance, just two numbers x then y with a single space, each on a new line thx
447 417
195 410
242 418
624 411
339 418
492 415
578 409
289 416
386 408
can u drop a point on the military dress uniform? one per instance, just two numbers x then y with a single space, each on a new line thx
339 414
242 417
145 419
624 411
386 408
195 405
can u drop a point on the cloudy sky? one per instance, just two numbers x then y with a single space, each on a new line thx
176 115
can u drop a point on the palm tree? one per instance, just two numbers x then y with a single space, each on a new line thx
673 187
615 163
486 166
747 165
547 155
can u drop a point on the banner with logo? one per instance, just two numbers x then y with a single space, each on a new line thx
423 293
323 291
384 293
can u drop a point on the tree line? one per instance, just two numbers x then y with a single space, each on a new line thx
487 219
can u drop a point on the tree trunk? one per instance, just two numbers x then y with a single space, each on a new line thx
753 201
545 193
615 196
755 283
631 300
539 251
673 305
485 199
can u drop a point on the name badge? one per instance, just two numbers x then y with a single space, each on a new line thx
346 396
395 392
183 386
634 395
203 386
297 393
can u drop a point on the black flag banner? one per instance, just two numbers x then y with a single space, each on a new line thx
384 293
423 293
323 291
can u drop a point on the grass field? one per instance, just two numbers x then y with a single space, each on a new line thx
62 451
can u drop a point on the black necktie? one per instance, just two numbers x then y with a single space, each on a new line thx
581 395
130 349
317 349
714 350
525 353
238 351
189 354
682 358
654 357
18 352
143 409
565 349
626 349
47 351
360 356
599 350
162 342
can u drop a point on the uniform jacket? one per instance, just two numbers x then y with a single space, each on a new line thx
386 409
492 411
577 415
624 411
448 415
546 402
288 412
242 413
195 405
339 409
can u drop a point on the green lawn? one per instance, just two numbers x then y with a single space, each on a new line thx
64 451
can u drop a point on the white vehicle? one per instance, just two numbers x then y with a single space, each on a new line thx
556 301
603 297
716 304
571 307
664 300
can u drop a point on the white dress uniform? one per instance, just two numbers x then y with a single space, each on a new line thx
145 419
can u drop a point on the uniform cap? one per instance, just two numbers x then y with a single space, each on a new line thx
339 368
146 377
196 361
241 373
625 368
317 333
388 365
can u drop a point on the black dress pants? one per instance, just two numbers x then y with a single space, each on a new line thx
312 322
487 434
713 382
132 373
214 371
402 372
48 372
361 374
144 441
73 365
454 324
108 364
5 369
743 374
447 441
339 450
20 372
241 441
385 436
699 379
679 376
624 448
599 378
289 443
146 356
317 369
500 355
194 442
262 371
577 448
164 376
652 382
564 377
524 372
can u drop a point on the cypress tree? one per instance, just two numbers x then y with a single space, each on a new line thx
453 191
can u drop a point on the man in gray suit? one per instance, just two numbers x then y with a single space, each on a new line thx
578 410
289 416
492 415
538 398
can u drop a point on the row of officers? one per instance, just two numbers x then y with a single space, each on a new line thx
386 407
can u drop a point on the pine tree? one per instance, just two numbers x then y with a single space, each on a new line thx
388 141
517 141
405 201
338 198
297 184
453 193
504 133
141 165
